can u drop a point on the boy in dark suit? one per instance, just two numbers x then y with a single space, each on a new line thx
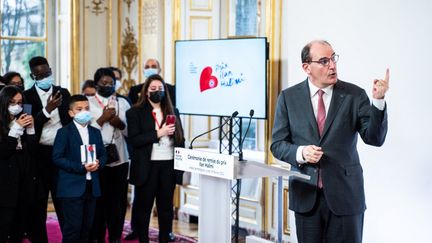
78 182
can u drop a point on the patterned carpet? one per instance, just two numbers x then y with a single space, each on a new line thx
54 233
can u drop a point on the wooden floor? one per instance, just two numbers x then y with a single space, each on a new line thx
179 227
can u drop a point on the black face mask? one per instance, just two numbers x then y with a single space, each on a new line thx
21 87
157 96
106 91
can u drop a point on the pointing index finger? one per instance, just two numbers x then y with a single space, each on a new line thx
387 75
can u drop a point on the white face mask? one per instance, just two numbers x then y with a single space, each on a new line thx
14 109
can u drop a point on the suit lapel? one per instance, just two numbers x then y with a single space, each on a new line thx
91 136
146 115
338 98
304 98
35 99
75 134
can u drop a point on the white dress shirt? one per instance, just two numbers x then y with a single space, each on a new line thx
164 149
50 128
84 134
97 104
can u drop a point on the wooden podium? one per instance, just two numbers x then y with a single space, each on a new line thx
216 174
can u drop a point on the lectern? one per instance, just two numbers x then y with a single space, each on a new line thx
216 174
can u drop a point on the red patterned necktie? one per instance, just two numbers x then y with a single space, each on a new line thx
321 116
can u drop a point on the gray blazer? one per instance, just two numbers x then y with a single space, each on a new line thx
350 114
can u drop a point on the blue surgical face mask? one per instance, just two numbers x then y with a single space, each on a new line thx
117 84
45 83
150 71
83 117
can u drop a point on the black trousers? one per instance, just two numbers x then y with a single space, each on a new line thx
160 185
78 215
37 217
6 220
112 205
320 225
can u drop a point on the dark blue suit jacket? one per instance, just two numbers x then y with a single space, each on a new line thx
67 157
350 114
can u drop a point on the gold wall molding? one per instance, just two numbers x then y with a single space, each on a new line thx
119 32
149 17
129 54
194 5
176 25
201 18
97 7
273 15
110 32
252 209
90 62
75 47
286 228
40 39
128 2
273 196
140 40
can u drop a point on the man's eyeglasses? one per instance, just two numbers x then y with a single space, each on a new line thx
325 61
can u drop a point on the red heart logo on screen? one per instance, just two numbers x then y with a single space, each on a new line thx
207 81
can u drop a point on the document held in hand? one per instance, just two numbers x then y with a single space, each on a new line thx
88 153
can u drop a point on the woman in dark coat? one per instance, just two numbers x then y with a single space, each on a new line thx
152 161
16 139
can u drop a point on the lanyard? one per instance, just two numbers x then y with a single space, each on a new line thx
100 102
155 119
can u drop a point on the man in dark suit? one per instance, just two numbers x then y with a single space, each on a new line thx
317 123
50 112
151 66
78 183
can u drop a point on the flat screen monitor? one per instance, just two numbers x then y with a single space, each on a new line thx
219 77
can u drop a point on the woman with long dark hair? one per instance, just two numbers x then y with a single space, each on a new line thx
16 139
153 138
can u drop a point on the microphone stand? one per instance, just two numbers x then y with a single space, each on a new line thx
211 130
237 192
251 113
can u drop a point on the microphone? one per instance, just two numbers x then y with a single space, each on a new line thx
251 113
234 114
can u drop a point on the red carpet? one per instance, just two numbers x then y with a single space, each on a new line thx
55 236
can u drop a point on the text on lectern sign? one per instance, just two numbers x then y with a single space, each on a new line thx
211 164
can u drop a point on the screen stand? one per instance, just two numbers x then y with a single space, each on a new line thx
229 142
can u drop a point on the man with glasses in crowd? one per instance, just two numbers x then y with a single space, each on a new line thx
317 123
151 66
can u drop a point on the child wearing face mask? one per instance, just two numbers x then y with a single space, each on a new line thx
17 137
78 184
